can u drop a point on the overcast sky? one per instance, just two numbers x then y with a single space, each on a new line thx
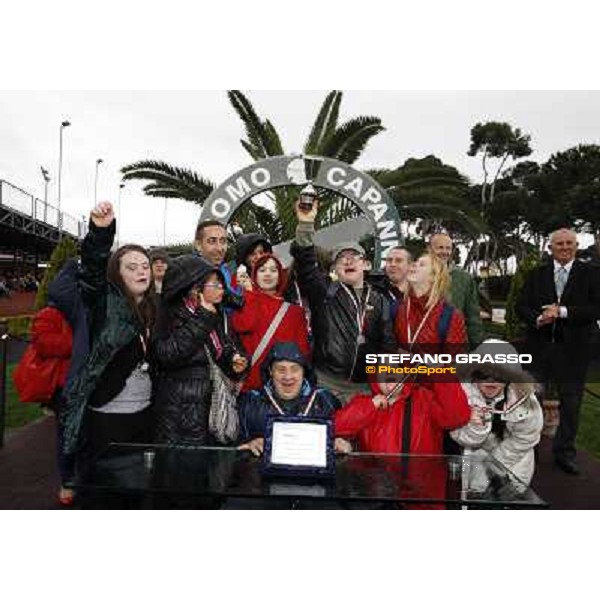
200 130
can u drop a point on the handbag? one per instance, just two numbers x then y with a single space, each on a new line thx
223 419
36 378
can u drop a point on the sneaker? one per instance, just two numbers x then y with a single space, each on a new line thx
66 496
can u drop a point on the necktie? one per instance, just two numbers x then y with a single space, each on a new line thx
561 281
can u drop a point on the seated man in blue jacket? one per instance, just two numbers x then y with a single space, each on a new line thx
289 389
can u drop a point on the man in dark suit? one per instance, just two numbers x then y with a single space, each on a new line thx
560 304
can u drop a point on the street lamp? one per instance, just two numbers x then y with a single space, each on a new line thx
60 152
46 177
99 161
121 186
165 224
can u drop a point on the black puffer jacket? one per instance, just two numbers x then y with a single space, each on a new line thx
184 386
334 320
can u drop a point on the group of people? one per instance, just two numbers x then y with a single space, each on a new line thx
148 332
24 282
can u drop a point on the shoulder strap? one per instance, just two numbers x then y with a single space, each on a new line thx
270 332
406 426
444 322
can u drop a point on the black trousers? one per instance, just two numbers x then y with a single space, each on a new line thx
566 367
105 428
101 430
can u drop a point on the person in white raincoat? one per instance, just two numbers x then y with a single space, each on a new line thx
506 417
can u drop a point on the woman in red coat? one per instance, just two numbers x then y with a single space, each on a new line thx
52 339
263 301
51 336
425 322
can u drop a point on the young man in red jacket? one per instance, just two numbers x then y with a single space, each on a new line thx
413 421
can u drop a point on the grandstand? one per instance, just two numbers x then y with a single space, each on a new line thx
29 229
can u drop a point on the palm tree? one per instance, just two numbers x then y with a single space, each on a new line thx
419 188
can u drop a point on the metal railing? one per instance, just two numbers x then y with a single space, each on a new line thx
28 205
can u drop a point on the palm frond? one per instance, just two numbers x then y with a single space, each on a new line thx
316 133
332 119
350 139
258 219
168 181
255 129
275 147
427 210
249 148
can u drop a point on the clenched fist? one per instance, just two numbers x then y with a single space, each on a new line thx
103 214
307 217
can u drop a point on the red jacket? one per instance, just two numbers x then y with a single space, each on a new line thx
252 321
428 338
436 407
51 337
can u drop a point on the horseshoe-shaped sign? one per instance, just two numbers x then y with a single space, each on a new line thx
322 172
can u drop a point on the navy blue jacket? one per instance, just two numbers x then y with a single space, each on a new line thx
254 407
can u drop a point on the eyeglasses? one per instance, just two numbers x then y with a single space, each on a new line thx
215 285
352 258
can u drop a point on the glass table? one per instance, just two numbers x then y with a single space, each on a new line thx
184 476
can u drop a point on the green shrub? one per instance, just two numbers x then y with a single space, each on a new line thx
18 326
66 249
514 327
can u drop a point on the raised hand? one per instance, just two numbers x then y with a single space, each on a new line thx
239 363
306 217
103 214
380 402
244 280
204 303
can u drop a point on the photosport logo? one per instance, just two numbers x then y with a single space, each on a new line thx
431 364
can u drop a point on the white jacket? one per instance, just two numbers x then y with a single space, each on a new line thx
523 428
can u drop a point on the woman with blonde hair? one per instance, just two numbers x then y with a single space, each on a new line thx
426 322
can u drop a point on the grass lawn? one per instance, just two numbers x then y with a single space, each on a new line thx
18 413
588 436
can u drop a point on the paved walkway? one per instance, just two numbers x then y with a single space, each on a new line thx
28 477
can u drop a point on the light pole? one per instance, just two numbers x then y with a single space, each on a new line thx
60 153
99 161
46 177
121 186
165 224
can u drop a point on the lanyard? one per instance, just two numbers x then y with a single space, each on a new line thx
280 411
413 339
360 314
143 342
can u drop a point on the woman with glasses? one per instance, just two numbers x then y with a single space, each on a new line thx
191 332
506 417
266 318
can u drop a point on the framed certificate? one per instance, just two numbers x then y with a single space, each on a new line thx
299 447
